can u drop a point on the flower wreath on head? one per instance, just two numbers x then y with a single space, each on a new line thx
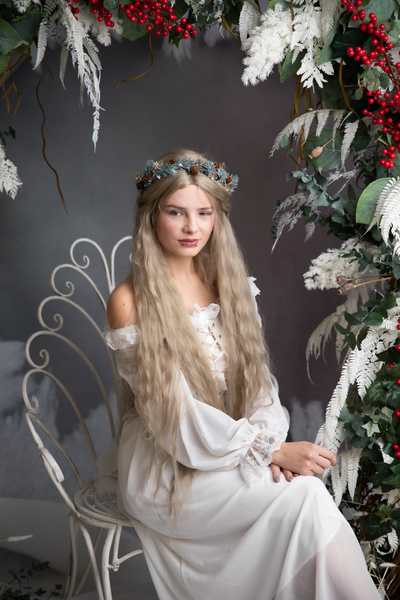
193 166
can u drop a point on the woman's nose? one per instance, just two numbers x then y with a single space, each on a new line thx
191 224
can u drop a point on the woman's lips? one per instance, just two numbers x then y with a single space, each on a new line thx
189 242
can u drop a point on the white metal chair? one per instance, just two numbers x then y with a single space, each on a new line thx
87 506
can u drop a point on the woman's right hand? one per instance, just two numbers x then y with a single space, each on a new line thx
303 458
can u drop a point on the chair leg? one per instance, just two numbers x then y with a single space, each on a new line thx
92 557
73 559
88 564
105 563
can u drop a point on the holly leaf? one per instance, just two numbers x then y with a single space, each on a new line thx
383 471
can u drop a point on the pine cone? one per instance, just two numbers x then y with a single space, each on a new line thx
228 179
194 170
140 185
217 165
149 177
172 161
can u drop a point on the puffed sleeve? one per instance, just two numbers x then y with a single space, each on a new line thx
207 438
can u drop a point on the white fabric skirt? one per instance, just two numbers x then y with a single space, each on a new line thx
281 541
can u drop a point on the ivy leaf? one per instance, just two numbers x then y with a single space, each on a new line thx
375 527
373 319
110 4
368 200
394 478
376 393
383 471
386 414
371 428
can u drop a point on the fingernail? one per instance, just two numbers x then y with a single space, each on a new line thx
290 478
276 478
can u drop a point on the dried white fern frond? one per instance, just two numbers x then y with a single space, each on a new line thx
338 485
387 213
298 126
22 5
338 117
322 117
393 540
249 19
330 11
352 466
9 180
350 131
303 123
48 8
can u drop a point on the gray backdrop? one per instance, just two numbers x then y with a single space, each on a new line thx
199 103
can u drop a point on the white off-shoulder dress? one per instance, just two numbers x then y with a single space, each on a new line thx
240 536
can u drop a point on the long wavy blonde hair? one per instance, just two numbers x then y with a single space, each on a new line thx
163 322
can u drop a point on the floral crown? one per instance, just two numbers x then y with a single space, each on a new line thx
154 171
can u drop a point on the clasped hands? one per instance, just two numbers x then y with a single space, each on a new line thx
300 458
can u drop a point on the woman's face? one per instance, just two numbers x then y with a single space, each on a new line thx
185 222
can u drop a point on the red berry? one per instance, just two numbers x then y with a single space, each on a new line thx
398 383
396 447
194 32
390 366
186 35
397 413
354 17
132 18
183 20
397 454
158 32
165 33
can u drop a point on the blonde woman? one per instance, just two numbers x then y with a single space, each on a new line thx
224 507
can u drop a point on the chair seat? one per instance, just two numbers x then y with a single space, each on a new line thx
99 510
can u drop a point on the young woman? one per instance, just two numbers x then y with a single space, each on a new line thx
224 507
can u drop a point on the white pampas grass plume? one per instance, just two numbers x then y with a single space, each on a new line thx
267 45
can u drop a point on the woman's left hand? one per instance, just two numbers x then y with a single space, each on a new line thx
277 471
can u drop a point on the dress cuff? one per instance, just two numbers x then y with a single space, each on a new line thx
256 459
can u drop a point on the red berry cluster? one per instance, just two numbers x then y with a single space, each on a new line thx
74 9
378 57
157 15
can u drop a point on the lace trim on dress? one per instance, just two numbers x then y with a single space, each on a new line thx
256 459
120 339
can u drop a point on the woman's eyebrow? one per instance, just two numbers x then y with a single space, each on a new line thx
185 208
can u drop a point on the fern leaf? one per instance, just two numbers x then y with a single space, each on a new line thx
337 484
393 540
338 117
63 63
330 10
322 117
352 466
350 131
295 128
9 179
248 20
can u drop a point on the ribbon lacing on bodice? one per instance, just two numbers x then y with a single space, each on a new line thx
217 353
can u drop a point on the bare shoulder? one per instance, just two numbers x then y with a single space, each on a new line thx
121 306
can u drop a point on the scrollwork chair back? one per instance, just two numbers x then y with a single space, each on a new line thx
88 507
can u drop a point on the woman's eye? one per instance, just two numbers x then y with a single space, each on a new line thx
205 214
174 213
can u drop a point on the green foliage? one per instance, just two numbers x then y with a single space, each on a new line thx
11 132
25 591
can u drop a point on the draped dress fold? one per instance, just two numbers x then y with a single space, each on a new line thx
240 535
